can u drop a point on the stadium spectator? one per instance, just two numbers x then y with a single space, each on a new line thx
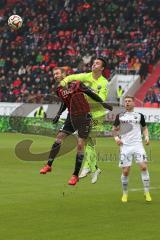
137 65
2 3
143 71
120 92
158 83
158 96
40 113
150 96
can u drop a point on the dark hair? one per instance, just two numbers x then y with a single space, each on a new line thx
103 61
131 97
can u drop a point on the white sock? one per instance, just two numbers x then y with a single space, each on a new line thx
145 180
124 180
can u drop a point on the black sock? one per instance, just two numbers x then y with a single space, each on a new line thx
79 160
53 153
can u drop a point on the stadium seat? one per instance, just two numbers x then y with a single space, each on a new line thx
147 105
155 105
156 90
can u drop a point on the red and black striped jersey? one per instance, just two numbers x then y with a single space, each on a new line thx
73 97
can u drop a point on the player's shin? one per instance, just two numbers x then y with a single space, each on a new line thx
92 160
124 181
78 164
86 163
53 153
91 157
145 180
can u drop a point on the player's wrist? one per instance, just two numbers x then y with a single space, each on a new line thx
116 138
146 138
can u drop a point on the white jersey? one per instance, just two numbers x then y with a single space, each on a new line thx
130 124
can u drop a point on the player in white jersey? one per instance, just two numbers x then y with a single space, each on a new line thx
127 134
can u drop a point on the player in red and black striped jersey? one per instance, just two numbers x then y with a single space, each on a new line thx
78 119
74 99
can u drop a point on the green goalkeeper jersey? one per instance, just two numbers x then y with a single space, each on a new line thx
100 86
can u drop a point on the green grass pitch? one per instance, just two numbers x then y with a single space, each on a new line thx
44 207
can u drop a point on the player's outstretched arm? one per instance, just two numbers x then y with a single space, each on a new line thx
95 97
80 77
145 129
61 110
115 130
146 135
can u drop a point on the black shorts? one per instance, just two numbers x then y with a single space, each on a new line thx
81 123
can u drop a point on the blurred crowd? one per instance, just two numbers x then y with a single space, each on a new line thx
72 33
152 97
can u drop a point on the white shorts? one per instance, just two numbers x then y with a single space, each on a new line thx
128 153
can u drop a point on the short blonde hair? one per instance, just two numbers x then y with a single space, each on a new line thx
128 96
61 69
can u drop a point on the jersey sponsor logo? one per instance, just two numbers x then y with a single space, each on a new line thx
128 121
66 92
99 87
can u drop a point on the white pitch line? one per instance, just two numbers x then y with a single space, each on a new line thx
142 189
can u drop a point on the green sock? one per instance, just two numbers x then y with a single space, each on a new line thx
90 158
86 164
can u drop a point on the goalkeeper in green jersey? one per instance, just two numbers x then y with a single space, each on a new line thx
99 84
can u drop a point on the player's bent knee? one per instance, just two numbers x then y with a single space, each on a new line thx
60 136
126 172
143 168
80 147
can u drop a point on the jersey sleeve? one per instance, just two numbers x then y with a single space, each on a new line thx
142 121
80 77
117 121
90 93
61 109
